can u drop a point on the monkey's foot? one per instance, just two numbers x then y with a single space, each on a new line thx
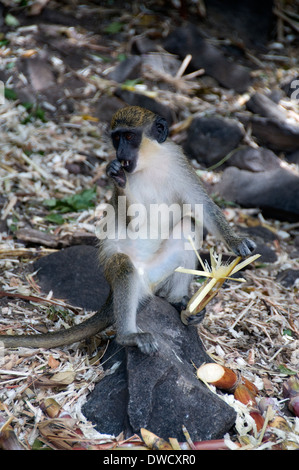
197 318
192 319
144 341
182 305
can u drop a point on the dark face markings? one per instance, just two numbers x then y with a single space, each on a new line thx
126 143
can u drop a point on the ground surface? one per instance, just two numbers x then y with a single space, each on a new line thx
58 147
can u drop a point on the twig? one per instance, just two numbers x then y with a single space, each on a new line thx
288 20
33 298
183 66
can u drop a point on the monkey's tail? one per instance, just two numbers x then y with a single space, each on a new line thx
90 327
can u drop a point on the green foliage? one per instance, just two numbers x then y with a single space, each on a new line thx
3 42
288 332
75 203
114 27
285 370
131 83
10 94
56 219
34 112
11 20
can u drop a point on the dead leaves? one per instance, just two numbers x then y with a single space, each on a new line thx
35 384
60 379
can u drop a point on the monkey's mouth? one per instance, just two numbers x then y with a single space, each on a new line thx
128 165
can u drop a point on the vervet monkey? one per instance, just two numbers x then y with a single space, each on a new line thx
149 170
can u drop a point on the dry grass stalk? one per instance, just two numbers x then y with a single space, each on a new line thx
217 274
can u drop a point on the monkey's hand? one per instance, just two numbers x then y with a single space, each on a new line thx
242 246
115 171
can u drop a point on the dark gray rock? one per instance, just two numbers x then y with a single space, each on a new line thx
291 87
251 21
129 68
264 240
188 40
142 45
288 277
106 107
254 159
265 106
272 133
276 191
138 99
259 233
75 275
159 392
209 139
293 157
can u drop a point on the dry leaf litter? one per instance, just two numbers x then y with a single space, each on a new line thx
245 327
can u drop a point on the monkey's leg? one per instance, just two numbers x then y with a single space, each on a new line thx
128 291
90 327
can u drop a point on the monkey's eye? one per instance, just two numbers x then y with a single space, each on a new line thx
129 136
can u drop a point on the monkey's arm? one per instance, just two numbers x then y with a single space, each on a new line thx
219 226
90 327
214 219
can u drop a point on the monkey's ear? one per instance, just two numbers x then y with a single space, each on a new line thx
159 129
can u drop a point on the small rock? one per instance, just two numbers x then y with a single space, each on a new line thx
209 139
143 45
275 191
188 40
129 68
261 233
40 74
106 107
288 277
291 87
161 62
264 106
254 159
138 99
293 157
264 239
275 134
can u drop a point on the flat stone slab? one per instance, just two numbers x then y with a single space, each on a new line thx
161 392
75 275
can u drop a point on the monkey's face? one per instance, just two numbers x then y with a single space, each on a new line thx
131 126
126 143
